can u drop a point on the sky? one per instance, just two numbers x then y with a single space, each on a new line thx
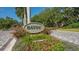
11 12
36 10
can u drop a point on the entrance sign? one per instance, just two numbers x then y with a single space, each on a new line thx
34 27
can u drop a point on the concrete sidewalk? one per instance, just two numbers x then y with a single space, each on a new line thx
10 45
7 41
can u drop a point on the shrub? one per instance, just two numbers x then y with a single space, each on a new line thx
46 45
58 46
73 25
7 23
46 31
19 31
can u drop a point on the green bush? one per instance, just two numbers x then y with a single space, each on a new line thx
73 25
7 23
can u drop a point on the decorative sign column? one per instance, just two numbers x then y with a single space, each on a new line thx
28 14
25 17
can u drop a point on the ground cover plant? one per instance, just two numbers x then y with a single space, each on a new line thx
39 42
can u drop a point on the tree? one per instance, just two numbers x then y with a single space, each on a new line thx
6 23
19 13
57 16
22 13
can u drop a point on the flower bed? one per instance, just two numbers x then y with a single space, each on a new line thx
38 42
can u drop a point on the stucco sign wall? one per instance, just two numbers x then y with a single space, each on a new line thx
34 27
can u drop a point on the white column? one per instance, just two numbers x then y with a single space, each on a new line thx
25 17
28 14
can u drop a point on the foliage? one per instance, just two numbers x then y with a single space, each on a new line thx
57 16
6 23
19 31
46 31
21 13
59 46
73 25
46 45
39 42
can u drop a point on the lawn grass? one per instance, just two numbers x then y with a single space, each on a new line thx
62 29
51 28
72 30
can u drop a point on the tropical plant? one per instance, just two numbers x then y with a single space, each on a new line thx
22 13
6 23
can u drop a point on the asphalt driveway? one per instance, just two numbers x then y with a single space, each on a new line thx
68 36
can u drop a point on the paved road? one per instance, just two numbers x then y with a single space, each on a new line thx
72 37
5 38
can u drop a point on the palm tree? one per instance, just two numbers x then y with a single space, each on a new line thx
22 13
